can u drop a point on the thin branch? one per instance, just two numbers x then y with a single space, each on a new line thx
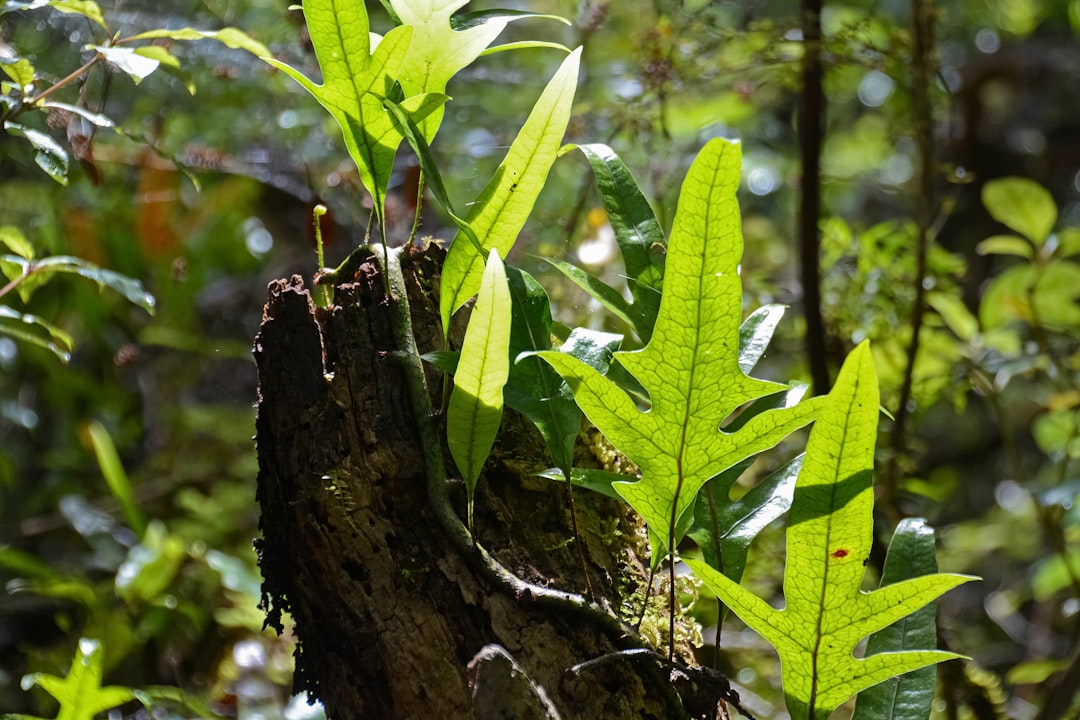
811 123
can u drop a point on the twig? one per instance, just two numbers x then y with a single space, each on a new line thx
922 18
811 116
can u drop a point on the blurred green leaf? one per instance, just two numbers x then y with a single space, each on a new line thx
80 694
115 476
128 287
48 154
37 331
87 8
128 61
92 117
1034 672
955 314
1006 245
1068 243
20 71
229 37
150 566
1023 205
16 242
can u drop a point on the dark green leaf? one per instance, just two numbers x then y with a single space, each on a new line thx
48 154
908 697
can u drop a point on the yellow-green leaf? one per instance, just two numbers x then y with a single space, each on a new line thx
691 366
499 213
355 77
476 404
1024 205
80 694
826 613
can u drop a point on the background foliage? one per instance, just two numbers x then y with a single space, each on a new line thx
167 578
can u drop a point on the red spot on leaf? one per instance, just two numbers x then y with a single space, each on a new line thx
840 554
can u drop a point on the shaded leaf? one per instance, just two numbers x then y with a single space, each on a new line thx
464 21
829 535
637 232
910 697
610 298
48 154
533 388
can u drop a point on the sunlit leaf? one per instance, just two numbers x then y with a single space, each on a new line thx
20 70
691 366
830 528
126 60
355 77
151 566
1023 205
87 8
229 37
438 52
476 403
499 213
955 314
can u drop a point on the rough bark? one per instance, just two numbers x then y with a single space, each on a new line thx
389 608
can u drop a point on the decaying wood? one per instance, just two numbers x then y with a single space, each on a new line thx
388 610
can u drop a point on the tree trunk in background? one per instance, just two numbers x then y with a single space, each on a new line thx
392 621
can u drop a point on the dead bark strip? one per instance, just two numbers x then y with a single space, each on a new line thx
387 611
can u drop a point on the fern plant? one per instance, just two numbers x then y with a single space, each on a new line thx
684 408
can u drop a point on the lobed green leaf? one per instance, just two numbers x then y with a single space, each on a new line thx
690 368
826 613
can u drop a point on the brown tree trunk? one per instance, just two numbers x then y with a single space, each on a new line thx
397 613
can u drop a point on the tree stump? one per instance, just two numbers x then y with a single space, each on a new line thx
395 614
